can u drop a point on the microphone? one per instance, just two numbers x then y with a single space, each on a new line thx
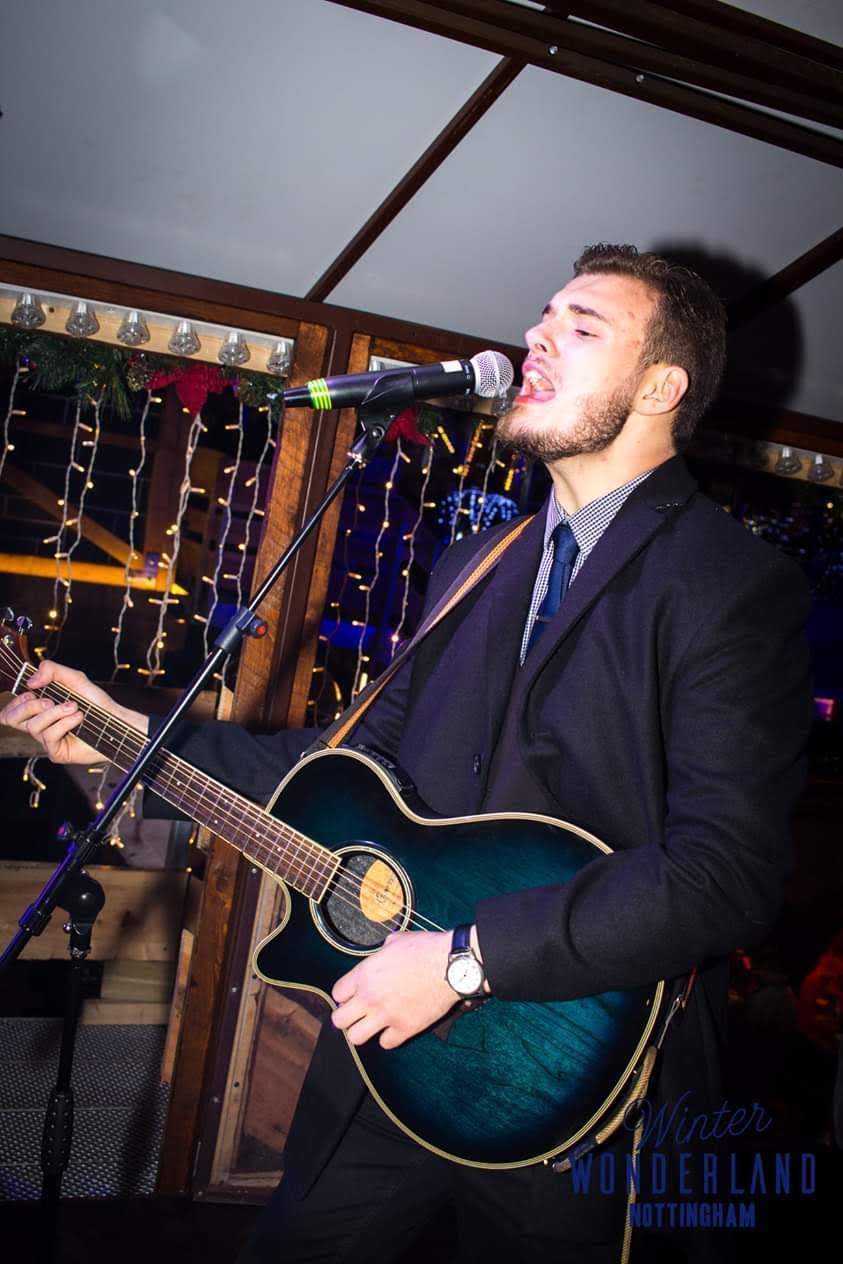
487 374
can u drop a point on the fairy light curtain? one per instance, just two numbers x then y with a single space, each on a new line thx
439 475
100 388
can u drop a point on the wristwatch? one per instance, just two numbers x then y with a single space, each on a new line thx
464 971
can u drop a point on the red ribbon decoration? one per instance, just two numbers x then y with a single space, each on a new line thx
193 384
404 427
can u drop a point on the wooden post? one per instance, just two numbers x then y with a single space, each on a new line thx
229 891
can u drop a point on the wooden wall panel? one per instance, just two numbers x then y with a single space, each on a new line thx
230 888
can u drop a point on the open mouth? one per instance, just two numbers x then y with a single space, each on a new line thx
536 388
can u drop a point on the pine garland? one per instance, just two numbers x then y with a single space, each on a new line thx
114 373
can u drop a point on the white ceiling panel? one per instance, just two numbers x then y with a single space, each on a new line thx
821 18
250 144
820 308
246 143
558 164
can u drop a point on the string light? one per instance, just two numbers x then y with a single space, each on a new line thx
61 584
358 670
222 537
11 412
328 638
411 552
443 435
490 465
30 776
77 521
463 471
254 511
153 654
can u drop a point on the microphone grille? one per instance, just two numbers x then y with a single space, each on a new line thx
493 374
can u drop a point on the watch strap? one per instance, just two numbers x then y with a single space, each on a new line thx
461 940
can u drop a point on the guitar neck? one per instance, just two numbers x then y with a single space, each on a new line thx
304 864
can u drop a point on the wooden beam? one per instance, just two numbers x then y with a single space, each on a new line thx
767 293
33 264
454 131
707 40
45 498
82 573
728 18
357 360
635 55
231 887
775 425
721 112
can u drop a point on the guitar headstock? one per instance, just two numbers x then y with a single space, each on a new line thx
14 647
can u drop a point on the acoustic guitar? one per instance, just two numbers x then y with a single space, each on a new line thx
505 1084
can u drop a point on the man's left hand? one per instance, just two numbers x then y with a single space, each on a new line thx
398 991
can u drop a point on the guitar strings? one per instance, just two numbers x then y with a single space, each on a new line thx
343 883
308 871
167 779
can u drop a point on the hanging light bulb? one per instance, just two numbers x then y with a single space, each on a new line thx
788 462
81 322
821 469
280 358
27 312
234 350
133 330
184 341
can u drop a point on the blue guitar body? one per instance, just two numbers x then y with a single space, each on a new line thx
507 1084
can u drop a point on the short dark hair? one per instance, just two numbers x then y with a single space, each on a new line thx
688 326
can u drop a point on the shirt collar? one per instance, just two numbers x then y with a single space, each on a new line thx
597 513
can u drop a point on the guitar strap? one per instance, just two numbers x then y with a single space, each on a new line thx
468 578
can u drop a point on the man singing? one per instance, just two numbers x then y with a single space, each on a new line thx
635 664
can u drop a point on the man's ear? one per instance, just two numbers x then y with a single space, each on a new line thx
662 389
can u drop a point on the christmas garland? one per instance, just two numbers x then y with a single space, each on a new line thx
113 373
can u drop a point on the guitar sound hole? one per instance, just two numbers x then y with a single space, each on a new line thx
367 900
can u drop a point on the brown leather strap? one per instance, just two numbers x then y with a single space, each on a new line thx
469 576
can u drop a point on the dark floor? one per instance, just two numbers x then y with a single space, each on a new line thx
172 1231
158 1230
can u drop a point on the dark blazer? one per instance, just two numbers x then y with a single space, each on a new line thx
665 709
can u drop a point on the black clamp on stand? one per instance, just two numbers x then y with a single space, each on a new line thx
71 888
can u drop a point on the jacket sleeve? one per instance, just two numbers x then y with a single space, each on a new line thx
254 764
736 708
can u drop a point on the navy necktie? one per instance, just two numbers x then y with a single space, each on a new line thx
565 550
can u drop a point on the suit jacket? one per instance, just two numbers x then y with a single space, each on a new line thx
665 709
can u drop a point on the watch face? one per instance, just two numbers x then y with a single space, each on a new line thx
465 975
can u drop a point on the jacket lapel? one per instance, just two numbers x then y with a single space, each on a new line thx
642 515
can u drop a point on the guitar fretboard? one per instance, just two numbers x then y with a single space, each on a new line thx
304 864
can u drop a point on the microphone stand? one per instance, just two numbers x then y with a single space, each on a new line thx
70 887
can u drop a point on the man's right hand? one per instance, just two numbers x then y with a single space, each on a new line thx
52 723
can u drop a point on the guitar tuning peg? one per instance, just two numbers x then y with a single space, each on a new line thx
23 624
7 614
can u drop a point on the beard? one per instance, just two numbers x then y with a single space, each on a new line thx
601 419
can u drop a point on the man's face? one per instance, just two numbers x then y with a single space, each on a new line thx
582 368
